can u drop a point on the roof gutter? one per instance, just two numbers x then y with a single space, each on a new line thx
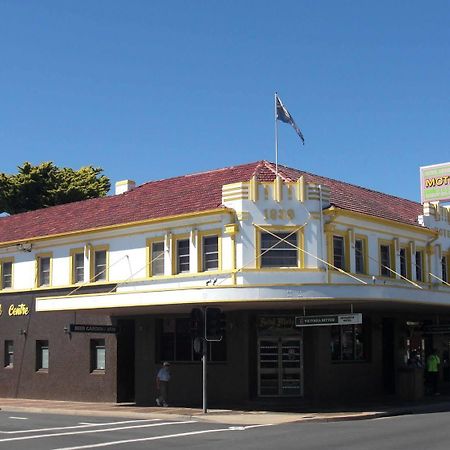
222 210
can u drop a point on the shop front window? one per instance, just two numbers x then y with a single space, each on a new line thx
176 342
348 343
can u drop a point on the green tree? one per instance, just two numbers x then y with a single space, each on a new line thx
43 185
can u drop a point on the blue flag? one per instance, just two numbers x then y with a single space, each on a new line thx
284 116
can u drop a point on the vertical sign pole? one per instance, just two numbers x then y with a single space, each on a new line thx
276 138
204 352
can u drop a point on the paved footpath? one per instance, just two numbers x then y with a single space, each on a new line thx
237 417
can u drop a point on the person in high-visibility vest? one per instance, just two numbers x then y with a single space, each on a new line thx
433 362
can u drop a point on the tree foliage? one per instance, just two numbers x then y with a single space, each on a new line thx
43 185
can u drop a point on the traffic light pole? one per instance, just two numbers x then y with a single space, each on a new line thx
204 353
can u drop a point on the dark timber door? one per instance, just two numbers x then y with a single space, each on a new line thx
125 361
388 355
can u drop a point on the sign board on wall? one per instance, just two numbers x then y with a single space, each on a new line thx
338 319
83 328
435 183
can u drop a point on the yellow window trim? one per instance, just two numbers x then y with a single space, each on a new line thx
274 229
407 249
423 253
200 236
37 276
92 251
175 239
330 247
73 252
392 266
149 255
2 261
365 245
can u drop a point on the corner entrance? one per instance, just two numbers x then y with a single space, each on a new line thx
280 366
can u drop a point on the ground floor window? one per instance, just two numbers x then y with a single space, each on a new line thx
42 355
9 354
98 355
349 343
176 342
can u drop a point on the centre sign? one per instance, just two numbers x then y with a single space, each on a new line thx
328 320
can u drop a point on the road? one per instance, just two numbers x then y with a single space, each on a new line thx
19 431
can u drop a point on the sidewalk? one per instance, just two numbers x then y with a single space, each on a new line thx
236 417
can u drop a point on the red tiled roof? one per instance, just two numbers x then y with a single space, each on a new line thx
188 194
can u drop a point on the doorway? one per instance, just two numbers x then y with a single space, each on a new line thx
125 361
280 367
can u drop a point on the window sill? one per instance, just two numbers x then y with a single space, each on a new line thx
98 372
351 361
42 371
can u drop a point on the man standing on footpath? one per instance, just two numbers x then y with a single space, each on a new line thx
433 362
162 384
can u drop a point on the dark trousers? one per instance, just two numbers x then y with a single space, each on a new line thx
433 378
163 392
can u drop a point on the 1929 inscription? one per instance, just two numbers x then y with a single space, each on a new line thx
279 214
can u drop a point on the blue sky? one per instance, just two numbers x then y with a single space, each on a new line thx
149 89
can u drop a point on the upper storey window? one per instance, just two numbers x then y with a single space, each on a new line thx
210 253
182 255
385 260
339 252
279 249
420 272
6 274
77 266
100 264
43 269
444 262
360 255
404 262
156 263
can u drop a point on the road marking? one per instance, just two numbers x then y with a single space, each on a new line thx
86 425
18 418
248 427
155 438
39 436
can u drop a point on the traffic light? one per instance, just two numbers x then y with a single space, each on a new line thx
215 324
197 323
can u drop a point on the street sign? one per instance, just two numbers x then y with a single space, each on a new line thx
328 320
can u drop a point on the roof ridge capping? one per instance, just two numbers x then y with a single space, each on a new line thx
193 174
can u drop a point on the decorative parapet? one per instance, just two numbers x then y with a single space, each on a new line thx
235 191
319 192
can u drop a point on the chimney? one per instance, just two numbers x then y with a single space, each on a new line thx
124 186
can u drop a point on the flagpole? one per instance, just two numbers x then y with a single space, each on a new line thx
276 137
